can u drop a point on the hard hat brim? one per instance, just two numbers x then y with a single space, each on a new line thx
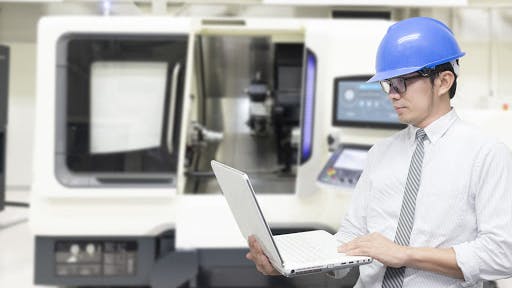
392 73
402 71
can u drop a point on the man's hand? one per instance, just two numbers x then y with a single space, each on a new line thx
437 260
378 247
259 258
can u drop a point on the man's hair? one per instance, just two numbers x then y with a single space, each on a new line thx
446 67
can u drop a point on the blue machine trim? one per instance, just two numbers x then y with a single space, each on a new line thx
308 111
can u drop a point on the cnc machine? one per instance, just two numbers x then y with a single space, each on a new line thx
130 111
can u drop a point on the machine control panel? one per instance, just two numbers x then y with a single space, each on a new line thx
95 258
345 166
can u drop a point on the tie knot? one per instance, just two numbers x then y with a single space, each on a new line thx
421 135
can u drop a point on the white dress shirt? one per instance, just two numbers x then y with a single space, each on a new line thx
464 201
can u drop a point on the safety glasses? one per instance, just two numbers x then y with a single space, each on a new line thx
398 84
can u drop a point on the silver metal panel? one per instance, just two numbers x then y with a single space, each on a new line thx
231 61
229 64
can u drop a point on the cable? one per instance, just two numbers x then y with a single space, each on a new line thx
16 204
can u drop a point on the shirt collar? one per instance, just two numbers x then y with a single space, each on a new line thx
436 129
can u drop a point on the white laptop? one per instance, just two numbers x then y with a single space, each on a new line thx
291 254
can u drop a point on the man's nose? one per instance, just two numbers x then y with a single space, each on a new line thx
393 95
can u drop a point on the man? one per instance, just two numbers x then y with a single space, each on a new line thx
433 205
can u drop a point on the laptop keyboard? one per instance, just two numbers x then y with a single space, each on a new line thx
300 250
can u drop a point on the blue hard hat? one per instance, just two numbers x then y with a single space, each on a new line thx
414 44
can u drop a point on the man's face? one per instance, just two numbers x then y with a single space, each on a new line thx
416 105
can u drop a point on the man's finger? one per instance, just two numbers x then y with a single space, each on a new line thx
260 269
259 248
345 247
263 259
357 252
250 240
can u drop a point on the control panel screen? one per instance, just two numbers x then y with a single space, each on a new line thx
345 166
351 159
361 104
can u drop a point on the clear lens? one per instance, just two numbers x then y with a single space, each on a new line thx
385 86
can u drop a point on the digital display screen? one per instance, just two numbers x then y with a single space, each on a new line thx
357 103
345 166
351 159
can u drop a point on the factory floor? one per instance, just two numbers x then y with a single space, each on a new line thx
17 246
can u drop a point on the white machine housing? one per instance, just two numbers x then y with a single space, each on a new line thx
87 210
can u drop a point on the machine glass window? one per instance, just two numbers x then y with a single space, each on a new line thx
361 104
126 106
119 103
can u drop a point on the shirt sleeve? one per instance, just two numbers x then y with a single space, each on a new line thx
354 222
489 256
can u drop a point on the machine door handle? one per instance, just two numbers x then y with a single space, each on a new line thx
172 103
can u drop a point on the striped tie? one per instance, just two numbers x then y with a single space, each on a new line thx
394 277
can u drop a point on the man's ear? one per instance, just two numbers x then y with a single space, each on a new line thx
445 81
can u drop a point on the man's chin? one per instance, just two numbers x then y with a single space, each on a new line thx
403 120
